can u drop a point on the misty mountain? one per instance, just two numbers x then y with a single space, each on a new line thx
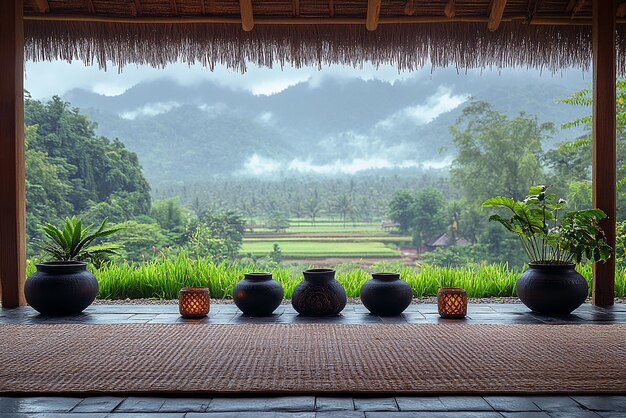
190 133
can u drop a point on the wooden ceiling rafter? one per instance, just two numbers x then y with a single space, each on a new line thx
410 8
90 6
331 8
42 6
202 7
496 13
373 14
173 7
138 7
574 6
450 9
296 8
621 10
247 16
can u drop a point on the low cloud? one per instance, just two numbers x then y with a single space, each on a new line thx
149 110
439 103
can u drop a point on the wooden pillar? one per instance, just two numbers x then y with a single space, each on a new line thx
12 180
603 131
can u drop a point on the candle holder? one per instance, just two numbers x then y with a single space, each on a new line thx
452 302
193 302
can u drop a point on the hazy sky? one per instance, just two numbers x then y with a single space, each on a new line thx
45 79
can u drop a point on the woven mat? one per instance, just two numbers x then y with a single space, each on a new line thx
316 358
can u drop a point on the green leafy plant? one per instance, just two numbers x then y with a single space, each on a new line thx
548 239
75 243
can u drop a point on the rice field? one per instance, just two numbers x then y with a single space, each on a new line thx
304 248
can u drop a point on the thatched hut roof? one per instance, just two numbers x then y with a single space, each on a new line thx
548 34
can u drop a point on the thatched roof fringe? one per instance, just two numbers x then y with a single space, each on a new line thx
464 46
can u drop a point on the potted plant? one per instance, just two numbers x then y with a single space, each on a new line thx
554 243
64 286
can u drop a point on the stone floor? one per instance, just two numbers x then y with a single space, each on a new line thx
311 406
285 314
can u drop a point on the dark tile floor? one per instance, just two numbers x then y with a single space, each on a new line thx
311 406
285 314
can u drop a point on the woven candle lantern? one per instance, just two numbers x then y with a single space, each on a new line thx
193 302
452 302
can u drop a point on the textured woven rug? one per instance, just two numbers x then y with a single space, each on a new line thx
316 358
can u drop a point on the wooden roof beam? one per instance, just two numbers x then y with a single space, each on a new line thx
450 9
173 7
90 6
621 10
574 6
42 6
373 14
495 16
296 8
202 7
410 8
331 8
138 7
247 17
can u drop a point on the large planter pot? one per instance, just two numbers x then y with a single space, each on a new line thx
258 294
61 288
319 294
386 294
555 289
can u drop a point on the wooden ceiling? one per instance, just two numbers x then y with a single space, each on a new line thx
370 13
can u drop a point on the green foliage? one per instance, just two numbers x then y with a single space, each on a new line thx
74 242
545 237
172 217
227 226
423 214
456 256
276 255
69 170
497 154
140 241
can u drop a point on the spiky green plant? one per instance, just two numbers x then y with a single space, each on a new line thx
75 243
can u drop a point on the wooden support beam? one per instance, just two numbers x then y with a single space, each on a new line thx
621 10
495 15
331 8
410 8
296 8
173 7
90 6
42 6
574 6
604 156
247 16
450 9
12 178
202 7
373 14
138 7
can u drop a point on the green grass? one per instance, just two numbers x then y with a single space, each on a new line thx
163 277
306 248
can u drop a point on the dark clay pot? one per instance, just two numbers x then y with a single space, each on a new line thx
258 294
552 288
61 288
319 294
386 294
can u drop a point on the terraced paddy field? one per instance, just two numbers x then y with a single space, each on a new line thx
329 241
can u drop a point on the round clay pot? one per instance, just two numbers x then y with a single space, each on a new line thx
319 294
386 295
555 289
258 294
61 288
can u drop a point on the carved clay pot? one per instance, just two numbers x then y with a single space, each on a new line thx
258 294
555 289
319 294
386 294
61 288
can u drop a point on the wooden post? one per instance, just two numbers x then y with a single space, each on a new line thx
12 180
603 131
